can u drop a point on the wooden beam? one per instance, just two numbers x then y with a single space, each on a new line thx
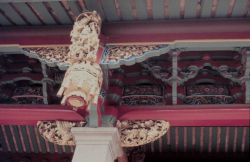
32 36
30 114
139 31
190 115
169 31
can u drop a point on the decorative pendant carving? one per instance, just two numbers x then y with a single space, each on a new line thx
141 132
84 38
58 132
81 84
83 79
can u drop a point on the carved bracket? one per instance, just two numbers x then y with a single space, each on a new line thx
58 132
140 132
115 56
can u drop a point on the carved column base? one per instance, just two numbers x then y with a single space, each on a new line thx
97 144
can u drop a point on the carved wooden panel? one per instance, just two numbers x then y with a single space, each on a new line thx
58 132
142 95
139 132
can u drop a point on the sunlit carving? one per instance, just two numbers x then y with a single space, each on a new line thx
84 37
58 132
139 132
81 84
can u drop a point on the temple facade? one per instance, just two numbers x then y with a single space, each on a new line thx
124 80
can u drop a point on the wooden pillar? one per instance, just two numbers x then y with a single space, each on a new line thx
95 115
247 77
97 144
174 76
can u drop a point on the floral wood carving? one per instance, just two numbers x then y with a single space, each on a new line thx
51 54
58 132
83 79
84 37
116 53
206 99
143 90
142 100
141 132
207 90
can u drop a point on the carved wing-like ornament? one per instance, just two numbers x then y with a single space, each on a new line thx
141 132
58 132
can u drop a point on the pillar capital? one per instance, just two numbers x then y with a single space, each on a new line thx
96 144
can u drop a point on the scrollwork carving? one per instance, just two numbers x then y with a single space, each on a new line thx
58 132
188 73
157 71
142 100
116 53
205 99
51 54
140 132
229 73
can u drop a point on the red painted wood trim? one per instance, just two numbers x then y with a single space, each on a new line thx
99 54
140 31
176 36
30 114
191 115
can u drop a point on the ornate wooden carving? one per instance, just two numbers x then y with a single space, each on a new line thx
58 132
143 90
116 53
157 71
83 79
208 94
81 84
203 99
139 132
51 54
142 100
84 38
142 95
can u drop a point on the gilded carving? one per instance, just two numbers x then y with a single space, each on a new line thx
81 84
84 38
58 132
141 132
83 79
51 54
116 53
